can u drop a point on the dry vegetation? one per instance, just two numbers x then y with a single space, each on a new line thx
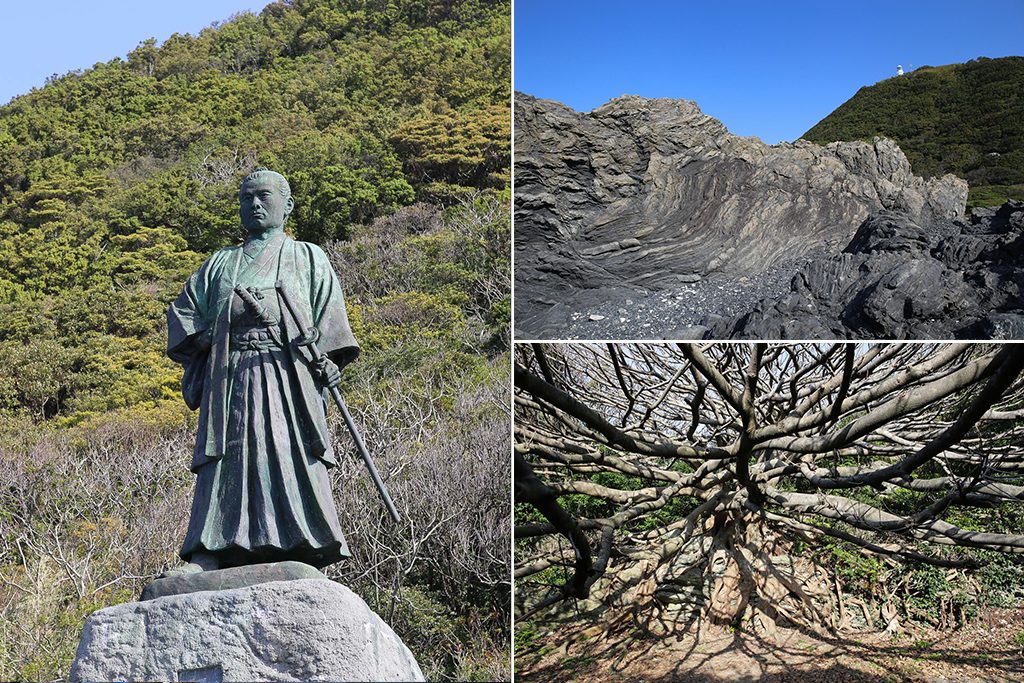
94 505
88 517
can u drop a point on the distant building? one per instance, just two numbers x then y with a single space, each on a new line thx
899 69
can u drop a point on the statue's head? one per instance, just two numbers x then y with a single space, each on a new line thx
265 200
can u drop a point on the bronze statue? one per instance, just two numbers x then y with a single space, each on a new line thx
263 451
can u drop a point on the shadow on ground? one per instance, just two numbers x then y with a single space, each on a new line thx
968 656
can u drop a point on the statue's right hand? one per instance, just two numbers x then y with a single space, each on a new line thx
328 372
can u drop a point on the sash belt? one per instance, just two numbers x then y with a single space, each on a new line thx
252 339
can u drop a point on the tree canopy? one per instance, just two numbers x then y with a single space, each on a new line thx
807 483
117 180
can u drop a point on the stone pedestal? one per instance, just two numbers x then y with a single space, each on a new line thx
299 630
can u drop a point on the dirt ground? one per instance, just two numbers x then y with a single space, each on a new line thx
989 651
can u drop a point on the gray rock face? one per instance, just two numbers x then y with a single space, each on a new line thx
899 280
895 279
302 630
644 194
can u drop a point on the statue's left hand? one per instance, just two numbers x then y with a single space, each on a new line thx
328 372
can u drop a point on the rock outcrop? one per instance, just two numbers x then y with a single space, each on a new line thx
642 195
300 630
899 279
894 279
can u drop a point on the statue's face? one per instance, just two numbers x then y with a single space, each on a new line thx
262 206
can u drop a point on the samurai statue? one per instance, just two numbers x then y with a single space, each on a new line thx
262 451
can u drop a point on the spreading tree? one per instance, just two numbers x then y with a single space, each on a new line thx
754 485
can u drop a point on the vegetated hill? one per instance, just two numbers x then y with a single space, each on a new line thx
966 119
391 119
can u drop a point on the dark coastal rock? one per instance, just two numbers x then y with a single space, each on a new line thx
899 280
894 279
649 195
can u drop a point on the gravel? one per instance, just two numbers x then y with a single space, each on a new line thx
685 312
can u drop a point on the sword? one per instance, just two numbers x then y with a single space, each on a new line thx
312 334
264 317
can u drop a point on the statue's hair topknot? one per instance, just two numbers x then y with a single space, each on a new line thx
263 173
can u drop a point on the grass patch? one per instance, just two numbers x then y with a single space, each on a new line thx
993 195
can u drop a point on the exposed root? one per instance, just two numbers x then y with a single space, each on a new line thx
745 579
736 573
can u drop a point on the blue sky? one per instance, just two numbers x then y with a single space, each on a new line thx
39 38
770 69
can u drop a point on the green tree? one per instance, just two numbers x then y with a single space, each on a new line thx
450 150
331 199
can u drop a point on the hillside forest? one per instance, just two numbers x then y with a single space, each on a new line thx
391 120
966 119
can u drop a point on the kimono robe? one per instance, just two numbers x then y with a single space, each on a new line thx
262 449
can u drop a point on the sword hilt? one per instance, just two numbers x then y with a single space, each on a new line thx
264 317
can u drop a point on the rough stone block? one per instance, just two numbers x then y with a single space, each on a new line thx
301 630
234 577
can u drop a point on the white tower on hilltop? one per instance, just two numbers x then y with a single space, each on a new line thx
899 69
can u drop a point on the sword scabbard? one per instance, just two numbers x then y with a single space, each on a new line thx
336 395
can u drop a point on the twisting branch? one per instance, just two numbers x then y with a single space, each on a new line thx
542 362
622 383
544 391
652 446
530 489
1003 369
844 387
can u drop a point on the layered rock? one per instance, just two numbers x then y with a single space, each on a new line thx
644 194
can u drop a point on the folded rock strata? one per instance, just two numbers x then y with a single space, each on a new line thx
897 279
645 194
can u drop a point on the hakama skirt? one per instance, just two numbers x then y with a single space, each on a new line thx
268 498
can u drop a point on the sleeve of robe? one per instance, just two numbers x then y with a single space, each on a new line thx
186 321
329 314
